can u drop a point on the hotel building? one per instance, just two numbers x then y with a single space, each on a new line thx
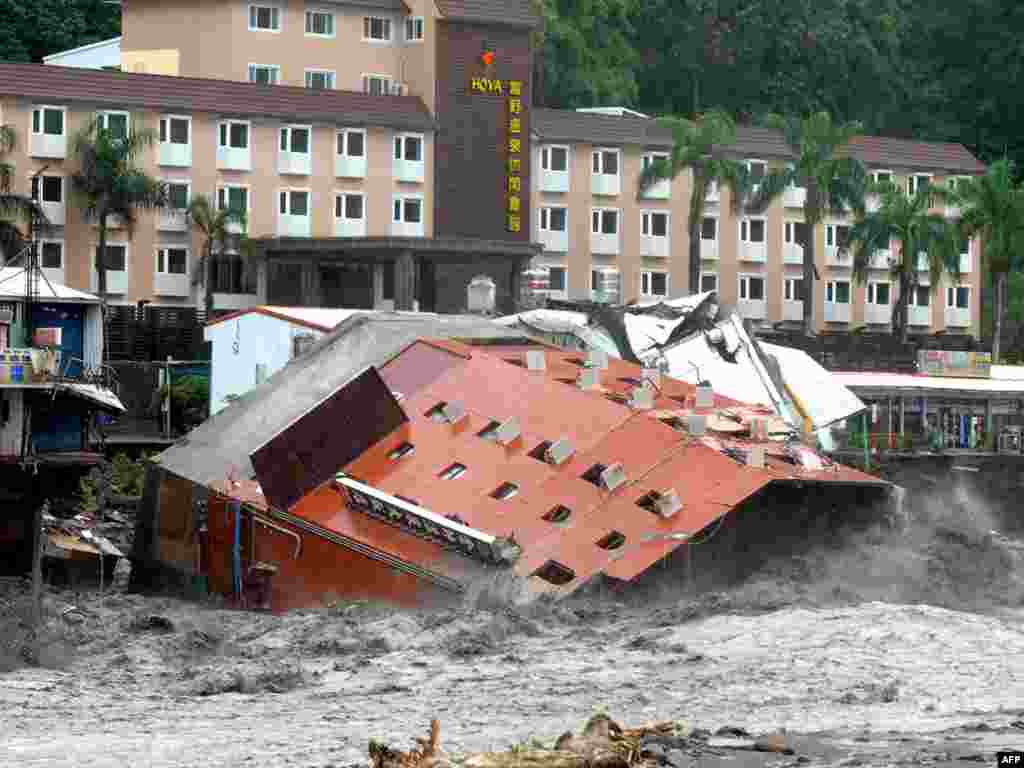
388 151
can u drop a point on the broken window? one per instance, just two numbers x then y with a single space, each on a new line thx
539 453
558 514
403 450
555 573
614 540
593 475
453 471
649 501
505 491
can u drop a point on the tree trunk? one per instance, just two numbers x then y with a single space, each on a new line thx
997 315
101 262
696 218
899 310
208 281
809 248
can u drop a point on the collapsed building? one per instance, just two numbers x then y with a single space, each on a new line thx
415 458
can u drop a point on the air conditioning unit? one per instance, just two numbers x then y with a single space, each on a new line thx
559 452
453 412
642 399
612 477
535 360
508 431
589 379
667 503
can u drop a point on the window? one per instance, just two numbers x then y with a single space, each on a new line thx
114 123
116 260
349 205
409 148
264 74
172 261
606 161
920 296
234 198
408 210
377 29
505 491
708 282
917 182
264 18
414 29
48 189
48 120
51 255
553 219
652 158
294 202
793 289
295 139
654 283
958 296
320 23
882 177
175 130
655 224
378 85
177 195
837 235
453 471
234 135
709 228
878 294
556 278
837 291
352 143
403 450
795 233
558 514
605 222
752 287
554 159
758 169
752 230
320 79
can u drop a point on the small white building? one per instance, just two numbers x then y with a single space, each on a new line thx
106 54
251 345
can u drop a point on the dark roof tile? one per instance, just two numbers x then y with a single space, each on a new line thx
222 97
511 12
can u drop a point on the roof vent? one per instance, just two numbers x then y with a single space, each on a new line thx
535 360
612 477
667 504
558 452
642 399
755 457
597 358
705 395
452 412
697 424
508 431
589 379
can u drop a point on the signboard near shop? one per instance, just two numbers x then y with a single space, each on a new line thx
962 365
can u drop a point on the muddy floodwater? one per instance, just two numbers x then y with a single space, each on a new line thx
884 650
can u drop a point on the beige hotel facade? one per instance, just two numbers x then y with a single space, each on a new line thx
388 151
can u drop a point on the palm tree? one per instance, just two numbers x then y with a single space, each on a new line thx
213 223
992 206
109 183
696 145
14 207
909 222
834 183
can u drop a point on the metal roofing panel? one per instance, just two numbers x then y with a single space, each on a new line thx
821 395
13 285
418 366
317 318
923 383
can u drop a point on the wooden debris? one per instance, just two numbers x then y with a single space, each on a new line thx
428 753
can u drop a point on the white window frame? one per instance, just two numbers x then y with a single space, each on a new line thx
41 108
403 198
390 23
319 12
700 284
226 187
275 68
565 282
714 239
40 177
744 224
743 285
345 132
647 222
165 248
646 275
342 194
789 232
49 240
830 288
832 235
751 161
545 217
602 151
951 292
870 293
332 74
386 79
103 116
271 6
228 124
165 120
413 21
602 211
877 171
649 158
287 191
912 298
116 244
912 181
788 292
186 183
545 157
404 138
288 130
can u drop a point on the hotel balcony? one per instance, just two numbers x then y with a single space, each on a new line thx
346 167
654 247
170 285
49 146
173 220
175 155
350 227
919 316
294 163
557 242
117 281
607 184
55 212
709 250
604 245
408 170
234 159
752 309
753 252
965 263
794 197
837 313
407 229
792 253
292 226
554 181
793 311
878 314
660 190
958 318
714 195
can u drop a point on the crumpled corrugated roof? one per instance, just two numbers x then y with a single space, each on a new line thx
822 396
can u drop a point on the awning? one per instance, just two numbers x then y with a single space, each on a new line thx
96 395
